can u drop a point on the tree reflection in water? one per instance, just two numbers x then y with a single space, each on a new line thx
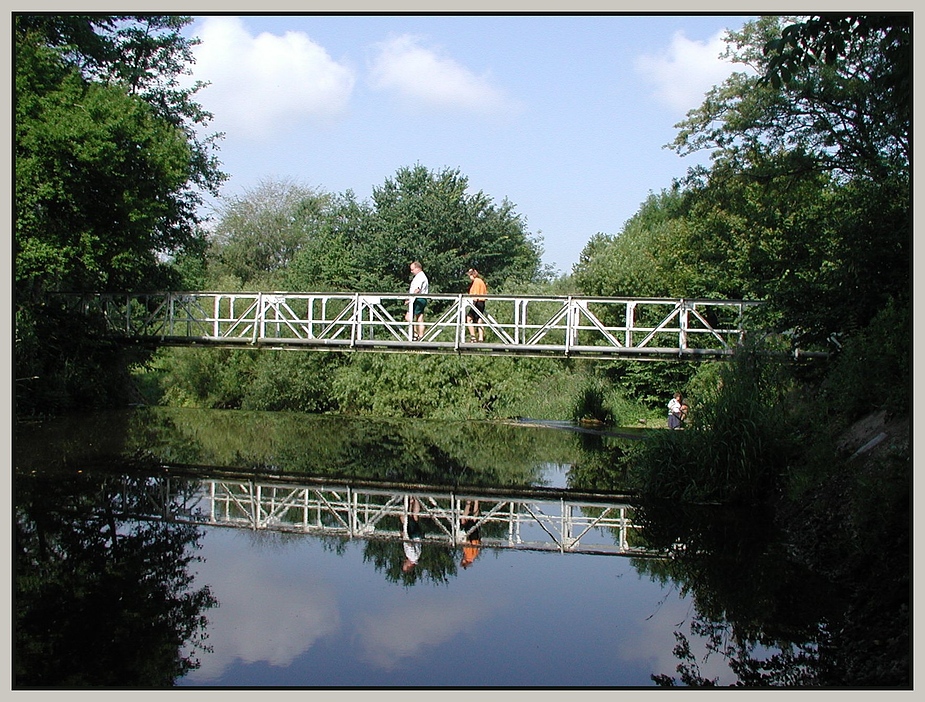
791 595
818 598
101 601
765 614
777 622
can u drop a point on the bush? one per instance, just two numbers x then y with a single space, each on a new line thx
872 371
206 378
735 448
64 363
589 404
292 381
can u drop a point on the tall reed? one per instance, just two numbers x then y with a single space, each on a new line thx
735 447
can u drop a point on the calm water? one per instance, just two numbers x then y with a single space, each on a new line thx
293 613
283 608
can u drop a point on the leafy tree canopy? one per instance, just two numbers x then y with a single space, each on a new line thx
849 115
808 195
109 171
432 217
258 234
295 238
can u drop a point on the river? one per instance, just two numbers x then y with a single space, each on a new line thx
166 547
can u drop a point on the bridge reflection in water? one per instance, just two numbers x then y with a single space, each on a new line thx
536 519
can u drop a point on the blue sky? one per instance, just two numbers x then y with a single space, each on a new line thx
564 116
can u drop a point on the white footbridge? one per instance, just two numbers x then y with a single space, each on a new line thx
510 325
529 519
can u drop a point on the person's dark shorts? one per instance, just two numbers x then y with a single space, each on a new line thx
480 306
419 304
415 530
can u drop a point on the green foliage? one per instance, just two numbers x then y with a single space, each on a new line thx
646 259
213 378
882 43
597 399
850 115
430 217
110 172
293 381
433 386
429 386
260 233
872 371
801 205
63 365
107 163
68 234
651 384
287 237
589 405
736 447
330 259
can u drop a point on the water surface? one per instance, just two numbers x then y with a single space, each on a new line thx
113 592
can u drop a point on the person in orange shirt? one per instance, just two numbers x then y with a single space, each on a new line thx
478 287
473 538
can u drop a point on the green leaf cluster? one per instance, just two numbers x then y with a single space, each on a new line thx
107 164
807 203
281 235
110 172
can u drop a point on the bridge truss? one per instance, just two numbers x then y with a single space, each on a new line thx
524 325
552 520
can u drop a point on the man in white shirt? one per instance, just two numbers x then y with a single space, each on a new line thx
416 305
412 535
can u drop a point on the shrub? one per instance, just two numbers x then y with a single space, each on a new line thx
735 448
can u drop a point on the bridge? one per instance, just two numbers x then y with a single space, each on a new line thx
565 326
528 519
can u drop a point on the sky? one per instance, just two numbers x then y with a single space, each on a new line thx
564 116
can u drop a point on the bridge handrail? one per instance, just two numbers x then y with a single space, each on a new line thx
541 324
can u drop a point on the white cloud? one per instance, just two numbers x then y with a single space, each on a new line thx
264 84
421 77
392 636
687 70
275 627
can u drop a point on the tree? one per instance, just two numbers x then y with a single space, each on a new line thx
259 234
431 217
108 169
329 260
109 176
102 600
831 39
814 170
646 259
849 115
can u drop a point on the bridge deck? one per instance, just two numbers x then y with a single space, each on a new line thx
512 325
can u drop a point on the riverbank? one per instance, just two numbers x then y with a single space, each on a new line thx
853 527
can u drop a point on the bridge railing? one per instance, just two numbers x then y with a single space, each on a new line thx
554 522
567 325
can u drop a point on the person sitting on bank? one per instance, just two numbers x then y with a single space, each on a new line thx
675 412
